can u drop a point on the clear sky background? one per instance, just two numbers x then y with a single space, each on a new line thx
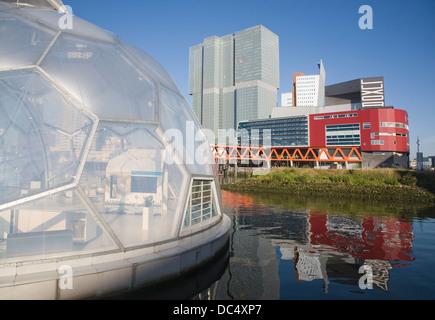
400 47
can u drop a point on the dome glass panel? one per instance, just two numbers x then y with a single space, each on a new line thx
102 77
150 65
185 135
132 183
22 41
42 135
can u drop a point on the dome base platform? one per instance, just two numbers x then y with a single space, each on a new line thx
112 273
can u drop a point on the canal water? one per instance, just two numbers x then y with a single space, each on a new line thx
282 248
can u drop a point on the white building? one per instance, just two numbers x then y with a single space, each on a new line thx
310 89
287 99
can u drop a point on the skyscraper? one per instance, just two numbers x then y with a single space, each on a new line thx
234 78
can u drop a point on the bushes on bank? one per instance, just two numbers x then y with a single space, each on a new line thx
380 184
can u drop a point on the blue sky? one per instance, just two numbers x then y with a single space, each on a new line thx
400 47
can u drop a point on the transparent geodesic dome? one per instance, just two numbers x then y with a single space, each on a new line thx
98 148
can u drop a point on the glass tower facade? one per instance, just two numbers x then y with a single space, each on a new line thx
234 78
283 132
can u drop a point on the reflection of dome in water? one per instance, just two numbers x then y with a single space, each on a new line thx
90 177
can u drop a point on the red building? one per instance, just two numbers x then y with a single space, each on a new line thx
355 126
381 134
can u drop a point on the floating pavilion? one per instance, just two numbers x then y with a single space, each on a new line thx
107 182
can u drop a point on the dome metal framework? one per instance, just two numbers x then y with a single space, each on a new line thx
96 146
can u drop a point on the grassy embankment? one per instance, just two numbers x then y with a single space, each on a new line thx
373 184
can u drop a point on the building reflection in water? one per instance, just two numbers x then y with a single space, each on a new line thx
322 245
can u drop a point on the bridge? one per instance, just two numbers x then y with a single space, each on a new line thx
297 154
